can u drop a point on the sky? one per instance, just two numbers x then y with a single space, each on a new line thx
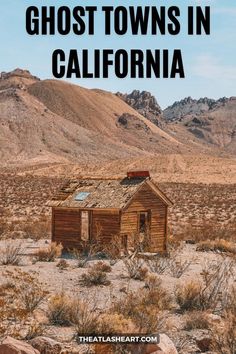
209 61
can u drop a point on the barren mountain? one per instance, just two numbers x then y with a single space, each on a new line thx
211 121
55 121
203 122
52 127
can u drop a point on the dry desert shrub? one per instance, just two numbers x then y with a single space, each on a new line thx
34 330
135 268
174 244
103 267
196 320
113 323
37 229
219 245
188 296
144 308
19 297
29 291
94 276
48 254
158 265
207 230
86 253
152 281
59 308
178 266
65 310
10 254
85 317
206 294
62 264
224 336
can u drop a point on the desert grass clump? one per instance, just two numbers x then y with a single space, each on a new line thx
152 281
113 323
219 245
94 277
10 254
158 297
48 254
62 264
140 310
188 296
144 308
103 267
135 268
59 308
224 336
85 317
196 320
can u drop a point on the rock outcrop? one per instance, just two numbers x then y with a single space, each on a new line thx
145 104
10 345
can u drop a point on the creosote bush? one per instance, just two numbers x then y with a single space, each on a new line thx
48 254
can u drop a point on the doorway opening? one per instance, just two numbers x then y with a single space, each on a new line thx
144 225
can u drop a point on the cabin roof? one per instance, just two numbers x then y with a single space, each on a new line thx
101 193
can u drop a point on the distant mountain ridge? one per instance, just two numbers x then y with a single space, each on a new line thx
190 106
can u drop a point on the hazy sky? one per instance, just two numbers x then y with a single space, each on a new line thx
209 61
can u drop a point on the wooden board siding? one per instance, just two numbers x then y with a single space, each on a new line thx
105 225
66 227
145 199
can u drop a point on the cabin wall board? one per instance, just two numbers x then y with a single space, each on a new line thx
67 227
105 225
144 200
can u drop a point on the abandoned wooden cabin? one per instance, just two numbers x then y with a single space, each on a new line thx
131 211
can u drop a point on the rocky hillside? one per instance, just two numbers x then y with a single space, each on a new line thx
145 104
192 107
50 120
51 125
